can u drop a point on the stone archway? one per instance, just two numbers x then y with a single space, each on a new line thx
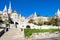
16 23
28 26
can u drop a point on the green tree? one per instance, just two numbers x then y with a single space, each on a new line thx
40 22
30 21
53 21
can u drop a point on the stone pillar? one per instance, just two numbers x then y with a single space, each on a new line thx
19 22
14 24
5 27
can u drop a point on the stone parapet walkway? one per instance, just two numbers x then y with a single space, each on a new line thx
13 34
44 36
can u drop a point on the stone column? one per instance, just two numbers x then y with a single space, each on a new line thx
14 24
19 22
5 28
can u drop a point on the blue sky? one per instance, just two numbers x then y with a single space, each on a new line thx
28 7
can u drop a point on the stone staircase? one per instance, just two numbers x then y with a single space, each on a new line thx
13 34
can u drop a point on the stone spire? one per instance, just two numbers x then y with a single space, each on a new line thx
10 5
5 14
35 14
58 11
20 15
9 9
5 9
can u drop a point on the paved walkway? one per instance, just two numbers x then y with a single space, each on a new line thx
44 36
13 34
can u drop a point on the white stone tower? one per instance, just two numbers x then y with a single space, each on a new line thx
5 8
5 14
35 15
58 17
9 9
58 13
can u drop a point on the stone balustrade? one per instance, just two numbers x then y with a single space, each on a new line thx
1 32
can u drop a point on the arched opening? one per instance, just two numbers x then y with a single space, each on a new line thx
16 23
27 26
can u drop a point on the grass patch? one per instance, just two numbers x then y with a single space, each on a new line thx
29 32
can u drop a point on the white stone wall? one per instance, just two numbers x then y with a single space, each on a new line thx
12 26
15 17
32 26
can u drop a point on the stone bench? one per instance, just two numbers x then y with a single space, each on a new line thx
1 32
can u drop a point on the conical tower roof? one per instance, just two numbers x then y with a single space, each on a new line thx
58 13
5 8
58 10
15 11
9 9
35 14
10 5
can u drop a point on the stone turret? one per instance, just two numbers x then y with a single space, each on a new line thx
5 14
35 15
5 9
10 9
58 13
58 17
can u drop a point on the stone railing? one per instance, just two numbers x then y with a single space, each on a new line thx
1 32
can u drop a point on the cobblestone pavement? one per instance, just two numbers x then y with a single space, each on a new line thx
13 34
